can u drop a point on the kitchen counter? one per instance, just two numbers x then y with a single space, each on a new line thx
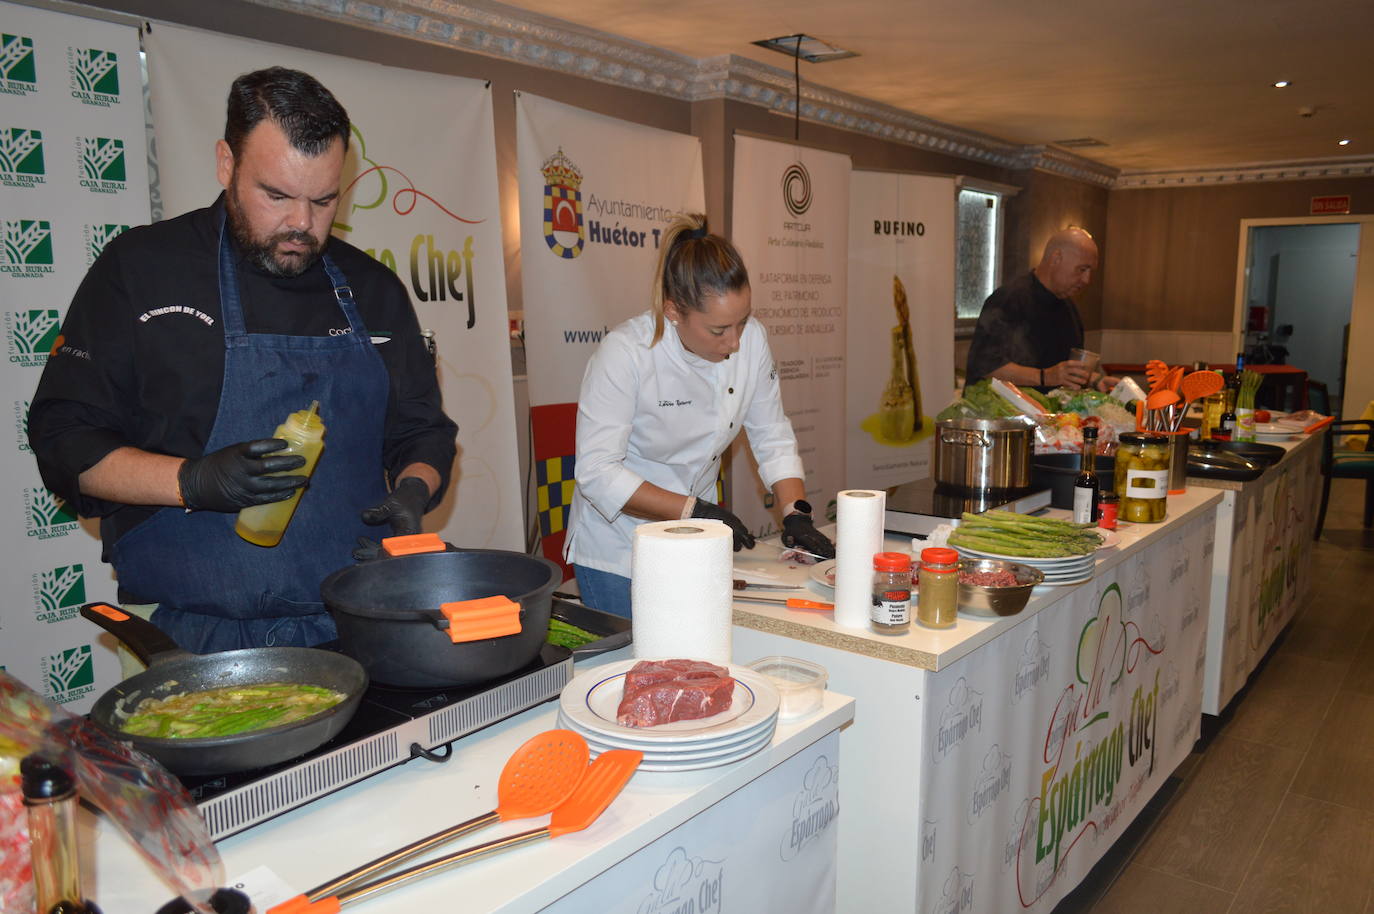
936 649
720 824
1003 757
1261 573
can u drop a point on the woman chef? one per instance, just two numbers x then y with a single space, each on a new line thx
660 405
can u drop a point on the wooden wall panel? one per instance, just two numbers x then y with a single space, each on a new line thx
1172 264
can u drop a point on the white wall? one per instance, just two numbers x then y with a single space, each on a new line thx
1310 270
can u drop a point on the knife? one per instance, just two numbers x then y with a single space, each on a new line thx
782 549
750 585
789 602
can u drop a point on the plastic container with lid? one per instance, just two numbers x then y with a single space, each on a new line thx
800 683
937 605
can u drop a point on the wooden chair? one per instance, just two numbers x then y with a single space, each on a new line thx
1318 397
1347 464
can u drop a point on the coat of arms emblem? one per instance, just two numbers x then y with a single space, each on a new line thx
563 206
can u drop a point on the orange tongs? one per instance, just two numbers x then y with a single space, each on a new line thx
600 783
468 620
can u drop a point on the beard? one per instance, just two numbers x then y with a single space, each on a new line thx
262 252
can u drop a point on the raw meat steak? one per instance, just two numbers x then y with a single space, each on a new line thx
648 672
663 691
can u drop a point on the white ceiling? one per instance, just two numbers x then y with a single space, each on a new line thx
1170 84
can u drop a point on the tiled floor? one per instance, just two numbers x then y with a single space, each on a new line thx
1276 813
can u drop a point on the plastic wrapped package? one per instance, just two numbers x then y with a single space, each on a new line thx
136 793
16 867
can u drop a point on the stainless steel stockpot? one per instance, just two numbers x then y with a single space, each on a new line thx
977 455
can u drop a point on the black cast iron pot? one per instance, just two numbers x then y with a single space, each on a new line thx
388 614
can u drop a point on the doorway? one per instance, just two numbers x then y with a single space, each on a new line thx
1300 286
1305 289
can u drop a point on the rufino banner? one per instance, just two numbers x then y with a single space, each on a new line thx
73 175
596 194
898 359
791 224
1041 747
420 195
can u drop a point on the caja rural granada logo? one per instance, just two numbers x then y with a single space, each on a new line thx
101 162
32 336
94 76
69 674
21 157
18 72
97 236
27 252
59 593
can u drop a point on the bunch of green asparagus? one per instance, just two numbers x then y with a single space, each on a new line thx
1008 533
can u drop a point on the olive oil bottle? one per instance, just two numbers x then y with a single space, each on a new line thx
303 431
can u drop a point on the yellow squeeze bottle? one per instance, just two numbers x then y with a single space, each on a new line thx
263 525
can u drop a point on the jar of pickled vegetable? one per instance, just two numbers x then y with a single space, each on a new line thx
1142 477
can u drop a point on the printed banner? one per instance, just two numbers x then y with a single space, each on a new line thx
73 175
768 848
901 303
1271 559
791 223
420 195
1044 745
596 194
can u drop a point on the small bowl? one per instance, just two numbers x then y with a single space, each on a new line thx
981 600
800 683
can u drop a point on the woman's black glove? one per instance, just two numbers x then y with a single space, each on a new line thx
236 476
403 508
798 532
707 511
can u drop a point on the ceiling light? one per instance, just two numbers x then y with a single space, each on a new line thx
809 49
1342 142
1282 84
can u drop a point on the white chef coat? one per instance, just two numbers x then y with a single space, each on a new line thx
665 416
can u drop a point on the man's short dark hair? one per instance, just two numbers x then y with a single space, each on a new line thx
307 112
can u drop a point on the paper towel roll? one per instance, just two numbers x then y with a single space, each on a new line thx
858 536
681 590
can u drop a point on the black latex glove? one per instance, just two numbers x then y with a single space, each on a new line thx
798 532
707 511
236 476
403 508
367 550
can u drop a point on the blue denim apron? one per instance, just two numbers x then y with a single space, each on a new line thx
216 591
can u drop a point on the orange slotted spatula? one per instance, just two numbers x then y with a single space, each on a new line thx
538 777
1155 372
601 784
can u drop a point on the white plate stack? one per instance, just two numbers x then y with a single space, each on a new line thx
1069 569
588 706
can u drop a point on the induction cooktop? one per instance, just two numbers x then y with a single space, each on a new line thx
921 506
390 727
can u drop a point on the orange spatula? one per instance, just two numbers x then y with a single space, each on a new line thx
537 779
602 783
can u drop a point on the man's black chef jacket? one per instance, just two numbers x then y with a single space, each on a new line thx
141 358
1025 323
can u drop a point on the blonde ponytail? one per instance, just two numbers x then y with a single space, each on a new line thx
692 265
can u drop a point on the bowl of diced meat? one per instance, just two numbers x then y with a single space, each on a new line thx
991 588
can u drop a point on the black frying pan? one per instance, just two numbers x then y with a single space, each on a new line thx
172 670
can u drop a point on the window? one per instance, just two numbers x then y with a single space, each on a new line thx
977 248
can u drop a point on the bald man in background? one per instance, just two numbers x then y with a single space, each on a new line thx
1028 326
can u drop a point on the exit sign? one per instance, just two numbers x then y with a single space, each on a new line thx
1335 205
